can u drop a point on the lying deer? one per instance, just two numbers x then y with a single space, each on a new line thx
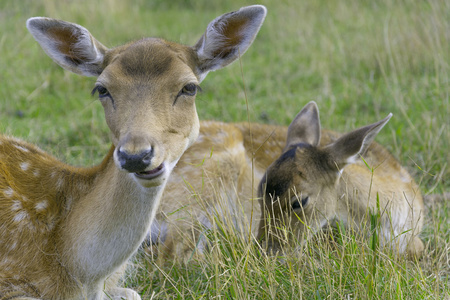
324 182
65 230
308 177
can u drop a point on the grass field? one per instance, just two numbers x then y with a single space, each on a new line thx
359 60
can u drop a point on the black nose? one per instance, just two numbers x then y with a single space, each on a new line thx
135 162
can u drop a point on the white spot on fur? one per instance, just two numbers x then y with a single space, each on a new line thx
24 166
20 216
405 177
41 205
8 192
59 182
17 205
50 226
82 187
200 138
13 246
5 261
236 150
36 173
21 148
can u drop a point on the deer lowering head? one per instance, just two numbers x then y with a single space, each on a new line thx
313 184
65 230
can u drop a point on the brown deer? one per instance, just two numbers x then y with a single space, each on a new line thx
65 230
317 182
307 177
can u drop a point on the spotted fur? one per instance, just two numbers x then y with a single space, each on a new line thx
235 172
67 233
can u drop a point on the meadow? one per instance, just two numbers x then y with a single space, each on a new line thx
359 60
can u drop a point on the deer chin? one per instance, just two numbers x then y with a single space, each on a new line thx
151 174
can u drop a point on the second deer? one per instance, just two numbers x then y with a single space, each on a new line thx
242 175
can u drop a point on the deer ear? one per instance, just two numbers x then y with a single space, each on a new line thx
350 146
305 128
228 37
70 45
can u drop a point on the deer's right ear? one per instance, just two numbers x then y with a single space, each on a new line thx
305 128
228 37
70 45
350 146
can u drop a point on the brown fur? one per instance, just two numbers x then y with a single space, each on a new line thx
334 186
66 232
222 171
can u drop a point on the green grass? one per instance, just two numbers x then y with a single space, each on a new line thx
359 60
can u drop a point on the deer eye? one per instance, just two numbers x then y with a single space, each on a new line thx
189 89
102 91
296 204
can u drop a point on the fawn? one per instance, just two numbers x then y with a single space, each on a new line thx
65 230
252 175
319 179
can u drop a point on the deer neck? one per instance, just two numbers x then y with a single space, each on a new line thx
106 225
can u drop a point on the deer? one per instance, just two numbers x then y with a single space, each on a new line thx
320 180
67 232
258 178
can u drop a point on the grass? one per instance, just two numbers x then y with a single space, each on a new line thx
359 60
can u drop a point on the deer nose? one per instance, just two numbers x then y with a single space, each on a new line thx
134 162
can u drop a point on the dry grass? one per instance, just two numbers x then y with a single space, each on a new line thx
359 60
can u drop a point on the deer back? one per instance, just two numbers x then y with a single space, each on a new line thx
231 164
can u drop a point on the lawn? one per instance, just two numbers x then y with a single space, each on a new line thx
359 60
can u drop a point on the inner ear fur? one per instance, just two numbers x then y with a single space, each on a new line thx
228 37
349 147
69 45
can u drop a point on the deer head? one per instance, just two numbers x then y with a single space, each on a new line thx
300 186
148 87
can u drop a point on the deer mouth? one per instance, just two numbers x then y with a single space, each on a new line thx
151 174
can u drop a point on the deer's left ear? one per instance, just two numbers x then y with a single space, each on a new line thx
227 37
348 148
305 128
70 45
